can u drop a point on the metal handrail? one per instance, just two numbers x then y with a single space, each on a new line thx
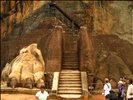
65 14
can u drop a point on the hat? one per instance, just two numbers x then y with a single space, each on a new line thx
120 82
106 79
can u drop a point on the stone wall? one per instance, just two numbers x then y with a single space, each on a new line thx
53 51
86 52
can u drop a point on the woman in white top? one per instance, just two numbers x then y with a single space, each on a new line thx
42 94
130 90
107 87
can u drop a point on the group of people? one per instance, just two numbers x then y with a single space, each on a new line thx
125 90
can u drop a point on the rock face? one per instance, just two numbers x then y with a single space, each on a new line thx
114 17
113 43
111 66
109 62
100 17
20 17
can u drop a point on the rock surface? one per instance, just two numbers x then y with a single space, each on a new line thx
109 24
103 17
100 17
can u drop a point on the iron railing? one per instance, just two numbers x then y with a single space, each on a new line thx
54 7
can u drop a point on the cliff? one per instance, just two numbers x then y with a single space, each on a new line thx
100 17
20 17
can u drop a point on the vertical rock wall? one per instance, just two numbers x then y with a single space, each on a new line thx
102 17
113 17
20 17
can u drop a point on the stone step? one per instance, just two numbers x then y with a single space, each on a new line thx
69 88
70 54
71 37
69 91
70 66
72 51
74 68
70 74
69 85
72 43
70 71
69 77
70 62
70 57
69 82
70 95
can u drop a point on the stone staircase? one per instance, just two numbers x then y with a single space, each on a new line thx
70 84
70 61
70 51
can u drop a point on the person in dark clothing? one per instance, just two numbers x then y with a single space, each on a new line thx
130 90
121 90
111 96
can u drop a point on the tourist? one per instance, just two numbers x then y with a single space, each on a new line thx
125 82
42 94
111 96
121 90
125 85
107 87
130 90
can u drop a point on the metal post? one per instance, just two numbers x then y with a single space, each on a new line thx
52 10
72 34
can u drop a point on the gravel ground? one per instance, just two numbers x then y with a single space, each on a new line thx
32 97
